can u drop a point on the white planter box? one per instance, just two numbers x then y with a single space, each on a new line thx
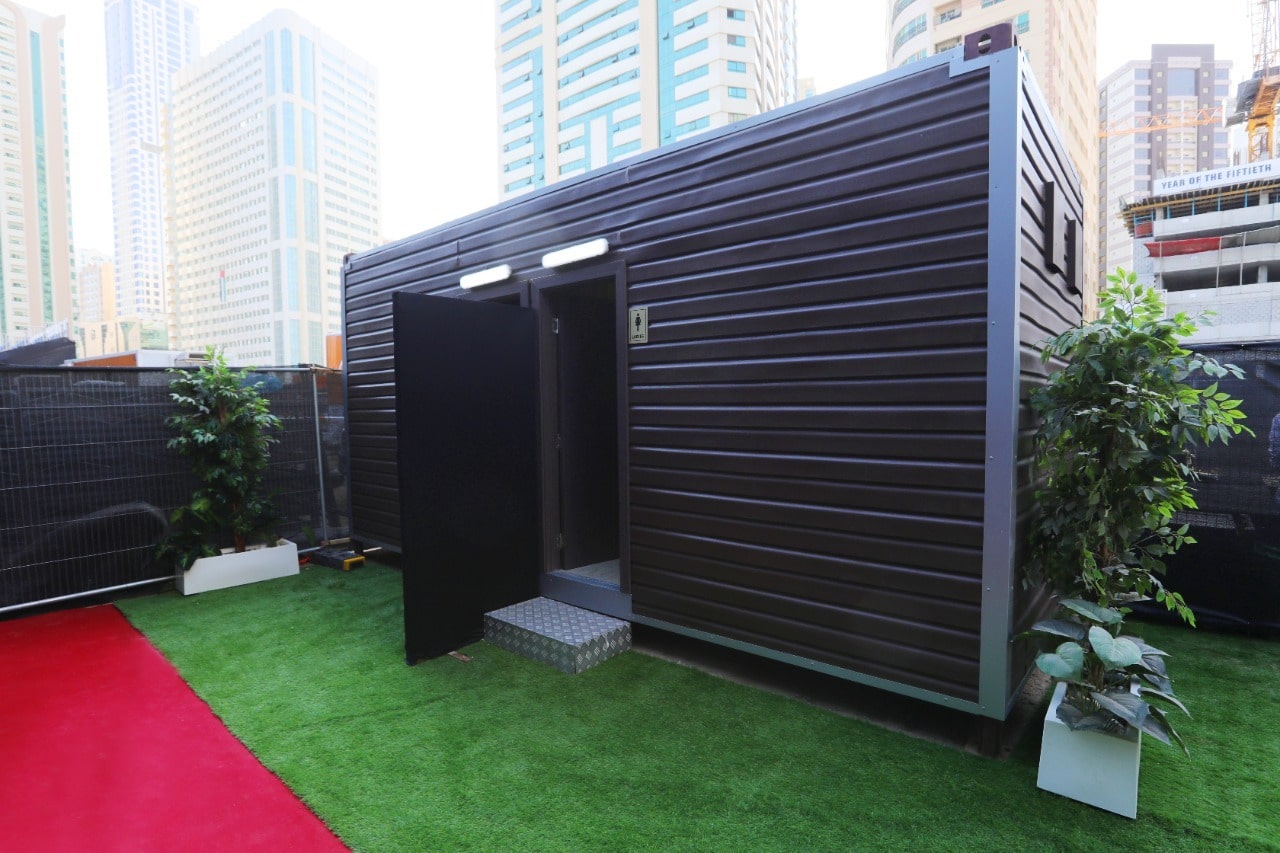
1089 766
231 569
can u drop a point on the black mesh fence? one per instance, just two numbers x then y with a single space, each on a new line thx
87 482
1231 576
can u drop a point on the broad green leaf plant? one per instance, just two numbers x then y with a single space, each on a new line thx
1119 424
225 429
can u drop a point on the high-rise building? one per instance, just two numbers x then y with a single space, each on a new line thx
588 83
273 164
147 41
1180 85
1060 38
97 331
37 277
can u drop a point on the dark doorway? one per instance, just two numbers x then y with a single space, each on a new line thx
581 426
466 417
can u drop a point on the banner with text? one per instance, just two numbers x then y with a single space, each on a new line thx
1260 171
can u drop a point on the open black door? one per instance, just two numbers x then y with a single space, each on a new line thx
466 422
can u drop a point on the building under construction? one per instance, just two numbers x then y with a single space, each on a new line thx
1211 240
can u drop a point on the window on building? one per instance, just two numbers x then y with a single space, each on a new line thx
986 3
737 92
913 28
899 6
1182 81
915 57
738 41
736 14
1022 23
737 66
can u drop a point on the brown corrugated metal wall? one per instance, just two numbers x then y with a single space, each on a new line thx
1048 307
806 423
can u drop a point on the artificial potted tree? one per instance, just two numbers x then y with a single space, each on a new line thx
1118 426
225 430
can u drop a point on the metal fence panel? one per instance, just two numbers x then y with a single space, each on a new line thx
87 482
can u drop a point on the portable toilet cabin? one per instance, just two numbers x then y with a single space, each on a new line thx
766 387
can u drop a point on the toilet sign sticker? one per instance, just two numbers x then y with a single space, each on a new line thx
638 325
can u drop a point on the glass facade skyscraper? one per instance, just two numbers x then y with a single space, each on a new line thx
273 164
36 272
582 84
146 42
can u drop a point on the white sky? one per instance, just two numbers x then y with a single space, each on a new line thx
437 92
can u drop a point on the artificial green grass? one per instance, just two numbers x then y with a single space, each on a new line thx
640 753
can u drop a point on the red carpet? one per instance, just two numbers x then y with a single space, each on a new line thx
104 747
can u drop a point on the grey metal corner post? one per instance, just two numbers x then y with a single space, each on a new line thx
321 485
1003 266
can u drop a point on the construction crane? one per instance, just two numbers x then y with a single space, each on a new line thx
1257 96
1169 121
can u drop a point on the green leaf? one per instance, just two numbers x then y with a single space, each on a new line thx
1157 725
1115 652
1132 709
1066 662
1093 612
1166 696
1059 628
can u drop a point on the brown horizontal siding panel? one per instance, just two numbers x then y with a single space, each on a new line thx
936 671
370 267
964 589
963 249
913 418
925 555
364 352
935 474
846 315
902 363
444 283
810 291
715 173
883 340
382 390
842 592
1046 303
383 499
840 195
557 216
802 210
374 414
376 364
828 611
1046 155
950 447
370 336
369 448
421 278
905 97
884 240
379 474
950 390
965 533
954 503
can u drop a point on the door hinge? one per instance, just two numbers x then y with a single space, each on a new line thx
555 325
557 441
559 540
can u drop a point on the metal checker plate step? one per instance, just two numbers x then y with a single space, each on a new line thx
566 637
